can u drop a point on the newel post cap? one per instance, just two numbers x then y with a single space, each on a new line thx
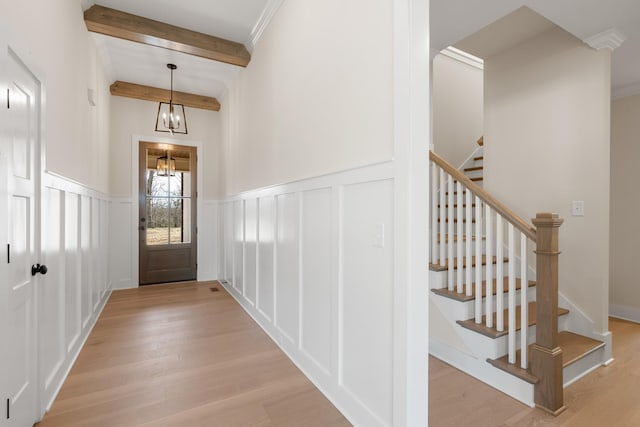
547 219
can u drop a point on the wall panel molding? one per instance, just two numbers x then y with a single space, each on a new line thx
76 249
318 294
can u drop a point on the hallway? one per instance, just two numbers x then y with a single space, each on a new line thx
184 355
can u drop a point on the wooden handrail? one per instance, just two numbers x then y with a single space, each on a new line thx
522 225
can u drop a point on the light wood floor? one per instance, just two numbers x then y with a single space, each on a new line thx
181 355
608 397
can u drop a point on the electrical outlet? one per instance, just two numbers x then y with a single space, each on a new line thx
577 208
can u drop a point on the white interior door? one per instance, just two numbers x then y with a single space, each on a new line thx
21 145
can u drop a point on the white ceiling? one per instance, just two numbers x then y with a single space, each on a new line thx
453 20
236 20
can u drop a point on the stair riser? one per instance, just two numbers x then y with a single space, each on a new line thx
580 368
474 174
493 267
531 296
473 248
492 348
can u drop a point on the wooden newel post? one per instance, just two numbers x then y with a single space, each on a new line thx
546 356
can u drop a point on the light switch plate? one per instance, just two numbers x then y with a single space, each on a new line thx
577 208
378 236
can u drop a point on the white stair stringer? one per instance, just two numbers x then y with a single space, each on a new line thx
468 351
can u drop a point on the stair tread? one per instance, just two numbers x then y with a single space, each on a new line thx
464 297
493 332
574 347
476 179
473 261
481 141
479 158
473 168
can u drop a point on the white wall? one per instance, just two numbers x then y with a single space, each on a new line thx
624 292
547 114
52 39
316 97
325 222
132 118
457 108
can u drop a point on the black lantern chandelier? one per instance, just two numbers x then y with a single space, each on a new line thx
171 117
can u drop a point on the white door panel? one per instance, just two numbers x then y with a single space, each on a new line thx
21 130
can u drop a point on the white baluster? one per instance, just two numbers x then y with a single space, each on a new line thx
468 240
434 214
450 277
524 303
442 216
488 277
459 237
478 255
499 275
512 297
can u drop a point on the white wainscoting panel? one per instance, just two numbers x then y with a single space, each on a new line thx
238 246
72 270
250 250
366 295
86 251
287 265
51 305
322 254
122 231
316 287
266 248
208 241
75 240
227 241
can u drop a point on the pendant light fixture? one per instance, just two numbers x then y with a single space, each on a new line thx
171 117
166 165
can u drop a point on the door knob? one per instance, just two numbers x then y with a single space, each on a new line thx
35 269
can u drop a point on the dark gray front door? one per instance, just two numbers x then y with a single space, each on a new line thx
167 206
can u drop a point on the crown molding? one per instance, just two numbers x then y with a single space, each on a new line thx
464 57
609 39
266 16
626 90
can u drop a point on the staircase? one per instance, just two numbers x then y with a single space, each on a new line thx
486 304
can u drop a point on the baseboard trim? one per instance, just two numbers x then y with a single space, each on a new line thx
623 312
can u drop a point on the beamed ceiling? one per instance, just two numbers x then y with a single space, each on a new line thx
240 24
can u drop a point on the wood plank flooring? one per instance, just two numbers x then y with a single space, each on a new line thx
607 397
181 355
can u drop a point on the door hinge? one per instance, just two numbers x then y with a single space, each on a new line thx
8 408
8 99
8 253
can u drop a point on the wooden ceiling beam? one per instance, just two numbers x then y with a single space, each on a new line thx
148 93
111 22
